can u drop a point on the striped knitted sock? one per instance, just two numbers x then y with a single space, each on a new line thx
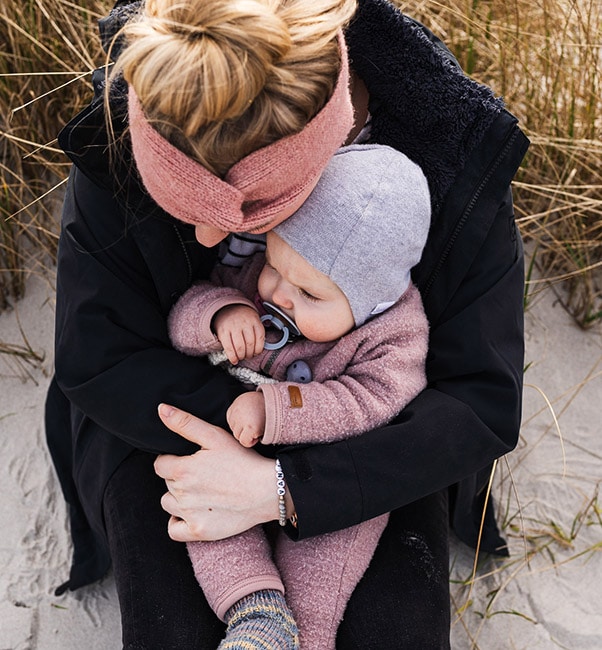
261 621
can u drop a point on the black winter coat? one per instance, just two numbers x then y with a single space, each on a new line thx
123 262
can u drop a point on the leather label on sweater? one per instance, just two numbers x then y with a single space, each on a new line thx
294 394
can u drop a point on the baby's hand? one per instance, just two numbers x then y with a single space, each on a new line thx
240 331
246 418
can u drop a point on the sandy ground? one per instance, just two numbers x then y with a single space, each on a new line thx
546 596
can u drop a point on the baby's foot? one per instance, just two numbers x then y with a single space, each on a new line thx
262 621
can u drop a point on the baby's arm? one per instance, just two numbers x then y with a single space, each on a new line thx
192 320
240 332
385 374
214 316
246 418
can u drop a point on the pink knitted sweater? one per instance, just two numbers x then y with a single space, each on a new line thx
360 381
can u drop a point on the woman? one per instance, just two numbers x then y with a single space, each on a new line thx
123 262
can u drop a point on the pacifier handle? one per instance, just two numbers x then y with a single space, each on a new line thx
279 325
280 321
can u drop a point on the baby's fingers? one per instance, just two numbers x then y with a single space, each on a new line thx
259 339
230 349
249 439
249 342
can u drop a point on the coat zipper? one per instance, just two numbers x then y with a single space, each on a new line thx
186 256
270 362
468 210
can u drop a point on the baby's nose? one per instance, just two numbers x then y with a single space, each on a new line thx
282 297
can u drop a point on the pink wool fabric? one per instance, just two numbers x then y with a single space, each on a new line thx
316 575
359 382
259 186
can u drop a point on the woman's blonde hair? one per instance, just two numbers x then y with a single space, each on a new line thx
222 78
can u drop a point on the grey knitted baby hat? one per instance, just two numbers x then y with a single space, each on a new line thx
364 225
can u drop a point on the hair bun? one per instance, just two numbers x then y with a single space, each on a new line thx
232 45
222 78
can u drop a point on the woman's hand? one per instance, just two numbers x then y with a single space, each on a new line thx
221 490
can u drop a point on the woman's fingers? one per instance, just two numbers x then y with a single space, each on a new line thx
192 428
170 504
207 436
219 491
178 530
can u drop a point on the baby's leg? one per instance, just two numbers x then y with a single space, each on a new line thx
243 586
232 568
320 575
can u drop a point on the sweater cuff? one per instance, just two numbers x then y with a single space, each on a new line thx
273 413
214 306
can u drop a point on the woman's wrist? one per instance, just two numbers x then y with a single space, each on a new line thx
269 509
290 506
280 493
285 505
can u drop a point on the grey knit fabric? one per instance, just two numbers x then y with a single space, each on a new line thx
364 225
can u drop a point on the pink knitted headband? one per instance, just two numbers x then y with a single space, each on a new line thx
257 187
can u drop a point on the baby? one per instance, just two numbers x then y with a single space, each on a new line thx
343 353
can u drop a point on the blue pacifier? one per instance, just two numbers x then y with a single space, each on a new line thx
299 372
277 319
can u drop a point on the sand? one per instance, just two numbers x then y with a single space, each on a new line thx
550 601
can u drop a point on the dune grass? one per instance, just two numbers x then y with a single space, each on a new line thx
544 58
50 48
553 531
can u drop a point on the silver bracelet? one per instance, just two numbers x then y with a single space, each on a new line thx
281 491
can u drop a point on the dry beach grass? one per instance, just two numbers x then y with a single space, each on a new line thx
545 59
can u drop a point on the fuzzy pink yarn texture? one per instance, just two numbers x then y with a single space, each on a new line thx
257 187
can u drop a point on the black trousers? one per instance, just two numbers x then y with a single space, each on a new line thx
401 602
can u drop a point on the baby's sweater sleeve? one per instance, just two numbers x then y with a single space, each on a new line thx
386 371
189 321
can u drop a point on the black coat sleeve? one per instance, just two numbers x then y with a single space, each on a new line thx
114 361
468 416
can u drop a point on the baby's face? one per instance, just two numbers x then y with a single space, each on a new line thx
311 299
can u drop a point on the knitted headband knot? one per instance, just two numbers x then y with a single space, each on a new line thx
257 187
